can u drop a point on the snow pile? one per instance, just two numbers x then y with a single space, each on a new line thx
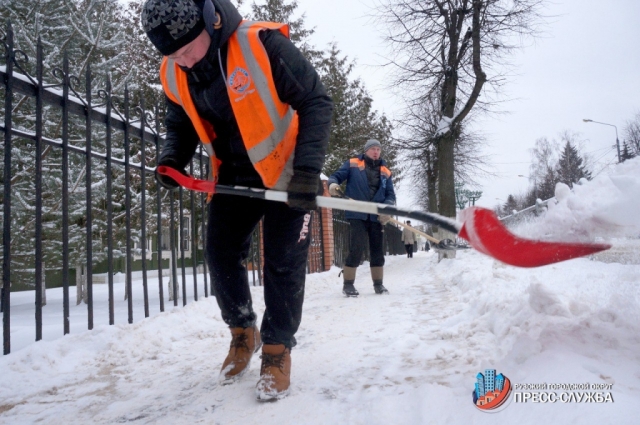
606 207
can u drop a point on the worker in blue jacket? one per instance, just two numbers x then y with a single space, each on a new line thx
368 179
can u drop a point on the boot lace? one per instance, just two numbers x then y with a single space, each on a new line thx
269 360
240 341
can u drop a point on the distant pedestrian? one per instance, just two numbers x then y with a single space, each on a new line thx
409 239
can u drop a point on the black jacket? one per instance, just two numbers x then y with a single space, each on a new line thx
297 84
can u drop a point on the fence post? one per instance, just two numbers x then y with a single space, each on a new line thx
326 224
39 264
174 286
6 231
126 278
43 286
445 253
81 283
79 287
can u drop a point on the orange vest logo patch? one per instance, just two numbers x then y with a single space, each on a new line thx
239 80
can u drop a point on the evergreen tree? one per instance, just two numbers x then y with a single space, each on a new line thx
626 153
141 56
282 11
88 32
570 168
547 185
354 119
510 206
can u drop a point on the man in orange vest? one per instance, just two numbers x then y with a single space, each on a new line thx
257 105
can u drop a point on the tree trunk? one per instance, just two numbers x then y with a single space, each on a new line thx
446 189
432 191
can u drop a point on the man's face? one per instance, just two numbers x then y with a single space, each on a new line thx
193 52
373 152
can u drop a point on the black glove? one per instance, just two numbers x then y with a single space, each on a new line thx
166 181
303 189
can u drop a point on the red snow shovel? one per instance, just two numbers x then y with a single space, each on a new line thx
480 226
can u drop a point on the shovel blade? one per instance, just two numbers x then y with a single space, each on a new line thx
484 231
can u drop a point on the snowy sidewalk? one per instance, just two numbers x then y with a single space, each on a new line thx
407 358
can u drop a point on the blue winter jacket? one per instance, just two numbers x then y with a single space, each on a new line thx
355 173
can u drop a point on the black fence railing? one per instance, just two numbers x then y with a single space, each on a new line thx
78 193
392 240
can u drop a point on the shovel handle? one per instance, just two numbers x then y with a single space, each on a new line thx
413 229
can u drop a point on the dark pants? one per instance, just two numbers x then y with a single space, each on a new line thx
359 232
409 248
286 244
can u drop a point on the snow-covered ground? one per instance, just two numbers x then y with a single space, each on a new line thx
407 358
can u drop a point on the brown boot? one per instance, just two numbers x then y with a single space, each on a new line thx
244 342
275 373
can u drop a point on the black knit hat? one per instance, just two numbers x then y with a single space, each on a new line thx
171 24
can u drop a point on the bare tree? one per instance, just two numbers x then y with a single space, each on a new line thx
420 123
544 157
453 49
631 133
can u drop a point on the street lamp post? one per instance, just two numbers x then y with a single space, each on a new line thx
611 125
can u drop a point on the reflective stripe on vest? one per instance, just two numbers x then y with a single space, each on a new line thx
268 127
173 80
355 162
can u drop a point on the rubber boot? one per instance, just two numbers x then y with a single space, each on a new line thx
376 275
349 290
349 278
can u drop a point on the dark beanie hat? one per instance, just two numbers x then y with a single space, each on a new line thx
171 24
371 143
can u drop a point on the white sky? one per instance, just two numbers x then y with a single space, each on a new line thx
585 66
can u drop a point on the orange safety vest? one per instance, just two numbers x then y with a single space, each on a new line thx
359 163
268 127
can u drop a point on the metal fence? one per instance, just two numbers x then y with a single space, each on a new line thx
533 211
80 201
79 193
392 241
